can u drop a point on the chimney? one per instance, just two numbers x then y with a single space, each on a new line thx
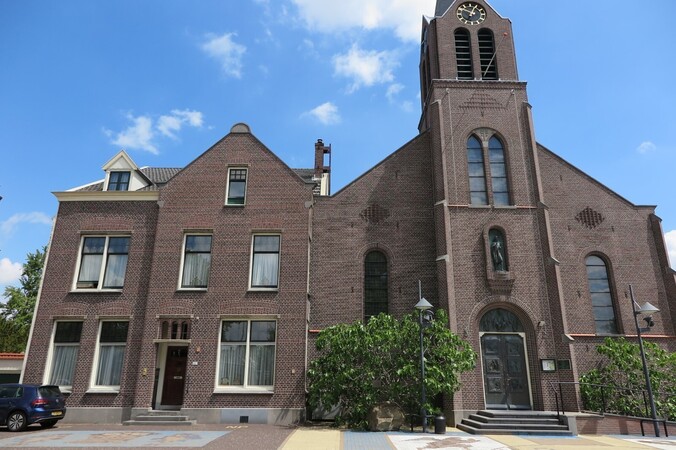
323 167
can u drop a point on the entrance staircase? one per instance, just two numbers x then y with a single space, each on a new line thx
514 422
157 417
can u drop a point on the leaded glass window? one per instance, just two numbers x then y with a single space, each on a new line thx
601 295
375 284
477 175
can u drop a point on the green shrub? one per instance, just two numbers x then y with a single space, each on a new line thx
362 365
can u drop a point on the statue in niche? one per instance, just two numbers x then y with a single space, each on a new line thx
498 251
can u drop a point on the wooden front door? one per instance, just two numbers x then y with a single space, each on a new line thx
174 376
505 372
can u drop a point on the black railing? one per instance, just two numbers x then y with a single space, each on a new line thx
603 406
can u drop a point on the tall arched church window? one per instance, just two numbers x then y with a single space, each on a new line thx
496 157
487 55
601 295
498 246
463 54
375 284
477 176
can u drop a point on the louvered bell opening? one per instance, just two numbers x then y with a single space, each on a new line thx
489 64
463 55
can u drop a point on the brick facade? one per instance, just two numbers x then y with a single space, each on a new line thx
414 207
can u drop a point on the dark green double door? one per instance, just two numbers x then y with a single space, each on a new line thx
505 371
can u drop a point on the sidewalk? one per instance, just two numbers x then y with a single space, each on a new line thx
270 437
329 439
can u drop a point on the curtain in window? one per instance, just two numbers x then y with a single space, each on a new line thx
265 270
196 269
110 365
63 365
261 365
115 270
232 365
90 268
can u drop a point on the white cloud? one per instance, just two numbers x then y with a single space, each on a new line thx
8 226
138 136
365 67
646 147
670 238
141 134
227 52
10 272
326 113
402 16
393 90
171 124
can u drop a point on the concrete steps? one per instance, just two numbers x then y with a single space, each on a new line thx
153 418
515 423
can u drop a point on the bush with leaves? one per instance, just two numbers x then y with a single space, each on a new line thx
623 369
362 365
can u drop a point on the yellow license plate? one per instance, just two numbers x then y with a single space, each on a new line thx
57 413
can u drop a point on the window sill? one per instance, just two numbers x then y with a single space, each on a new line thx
254 289
234 206
505 207
241 390
95 291
480 206
102 391
191 289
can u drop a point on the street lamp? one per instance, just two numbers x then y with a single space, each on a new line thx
646 309
425 315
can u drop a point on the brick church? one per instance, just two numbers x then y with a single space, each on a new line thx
202 289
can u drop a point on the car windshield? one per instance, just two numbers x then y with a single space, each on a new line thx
49 391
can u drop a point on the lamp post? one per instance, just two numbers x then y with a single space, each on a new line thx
647 309
425 315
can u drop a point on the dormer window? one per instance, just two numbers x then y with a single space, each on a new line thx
119 181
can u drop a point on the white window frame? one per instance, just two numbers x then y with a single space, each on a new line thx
245 388
104 263
251 262
93 387
182 266
50 355
227 186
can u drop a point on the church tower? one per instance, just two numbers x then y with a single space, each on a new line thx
496 272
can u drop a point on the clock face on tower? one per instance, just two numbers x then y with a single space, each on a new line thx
471 13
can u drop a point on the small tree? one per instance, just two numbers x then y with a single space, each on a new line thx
623 369
17 313
362 365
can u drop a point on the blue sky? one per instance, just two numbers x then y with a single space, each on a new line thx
165 79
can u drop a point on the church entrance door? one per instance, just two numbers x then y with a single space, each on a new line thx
504 361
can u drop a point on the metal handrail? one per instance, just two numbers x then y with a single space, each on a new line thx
559 394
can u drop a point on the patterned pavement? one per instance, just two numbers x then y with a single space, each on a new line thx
263 437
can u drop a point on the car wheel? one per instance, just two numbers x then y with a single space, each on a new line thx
48 423
16 421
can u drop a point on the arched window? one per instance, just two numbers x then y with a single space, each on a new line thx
496 157
498 246
477 176
487 56
601 295
375 284
463 54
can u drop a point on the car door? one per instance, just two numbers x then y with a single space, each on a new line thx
5 400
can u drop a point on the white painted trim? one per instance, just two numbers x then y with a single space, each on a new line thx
108 196
86 185
227 185
244 389
93 387
187 233
279 262
102 269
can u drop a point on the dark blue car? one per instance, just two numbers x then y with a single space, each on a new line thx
24 404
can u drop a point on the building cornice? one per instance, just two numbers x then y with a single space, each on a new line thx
108 196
